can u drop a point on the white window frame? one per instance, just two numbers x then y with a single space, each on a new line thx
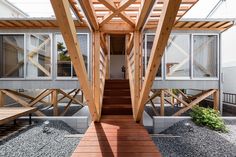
56 56
24 47
218 57
51 53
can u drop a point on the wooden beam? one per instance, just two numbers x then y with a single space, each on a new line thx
65 21
40 97
167 19
137 69
20 101
116 28
177 98
75 9
2 99
103 44
69 96
54 96
216 100
142 17
96 70
130 44
153 107
162 107
195 102
117 11
88 9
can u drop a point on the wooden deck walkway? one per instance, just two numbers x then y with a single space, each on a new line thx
116 136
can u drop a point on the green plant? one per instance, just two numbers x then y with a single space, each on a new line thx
208 117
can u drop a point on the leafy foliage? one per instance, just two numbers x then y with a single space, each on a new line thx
208 117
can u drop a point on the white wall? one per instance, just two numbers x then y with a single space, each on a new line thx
7 10
116 62
229 80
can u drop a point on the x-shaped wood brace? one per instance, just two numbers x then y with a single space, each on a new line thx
117 11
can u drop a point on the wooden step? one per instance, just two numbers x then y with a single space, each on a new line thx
116 100
116 111
117 92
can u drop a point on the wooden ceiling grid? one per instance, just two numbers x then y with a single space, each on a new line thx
123 13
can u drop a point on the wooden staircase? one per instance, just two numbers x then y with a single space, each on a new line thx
117 99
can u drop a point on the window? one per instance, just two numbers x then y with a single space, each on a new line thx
38 55
149 43
178 56
64 66
205 56
11 56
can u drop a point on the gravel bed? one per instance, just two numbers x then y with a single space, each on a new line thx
185 139
34 142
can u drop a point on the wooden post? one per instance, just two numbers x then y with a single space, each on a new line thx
54 102
137 69
108 56
126 56
216 99
162 109
96 70
2 99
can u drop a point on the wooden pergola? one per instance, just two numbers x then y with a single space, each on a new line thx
127 17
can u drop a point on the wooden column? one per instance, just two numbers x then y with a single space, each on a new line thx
96 70
54 102
162 102
137 69
126 56
164 27
108 56
2 99
216 99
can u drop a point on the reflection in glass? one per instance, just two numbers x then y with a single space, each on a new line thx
11 56
64 66
150 39
204 56
38 55
178 56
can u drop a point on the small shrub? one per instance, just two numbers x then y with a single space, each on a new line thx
208 117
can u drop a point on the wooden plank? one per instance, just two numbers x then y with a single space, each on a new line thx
2 99
133 140
116 28
65 21
115 155
142 17
90 14
12 113
20 101
167 19
195 102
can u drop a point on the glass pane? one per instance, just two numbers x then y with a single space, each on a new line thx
204 56
178 56
38 55
83 42
63 58
150 39
11 56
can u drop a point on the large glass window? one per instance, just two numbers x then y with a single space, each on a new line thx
11 56
205 56
38 55
64 66
178 56
149 43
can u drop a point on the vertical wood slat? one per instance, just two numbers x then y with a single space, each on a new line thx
164 27
137 69
96 70
67 27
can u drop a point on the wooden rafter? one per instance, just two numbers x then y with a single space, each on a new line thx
76 11
170 9
117 11
142 17
64 18
90 14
